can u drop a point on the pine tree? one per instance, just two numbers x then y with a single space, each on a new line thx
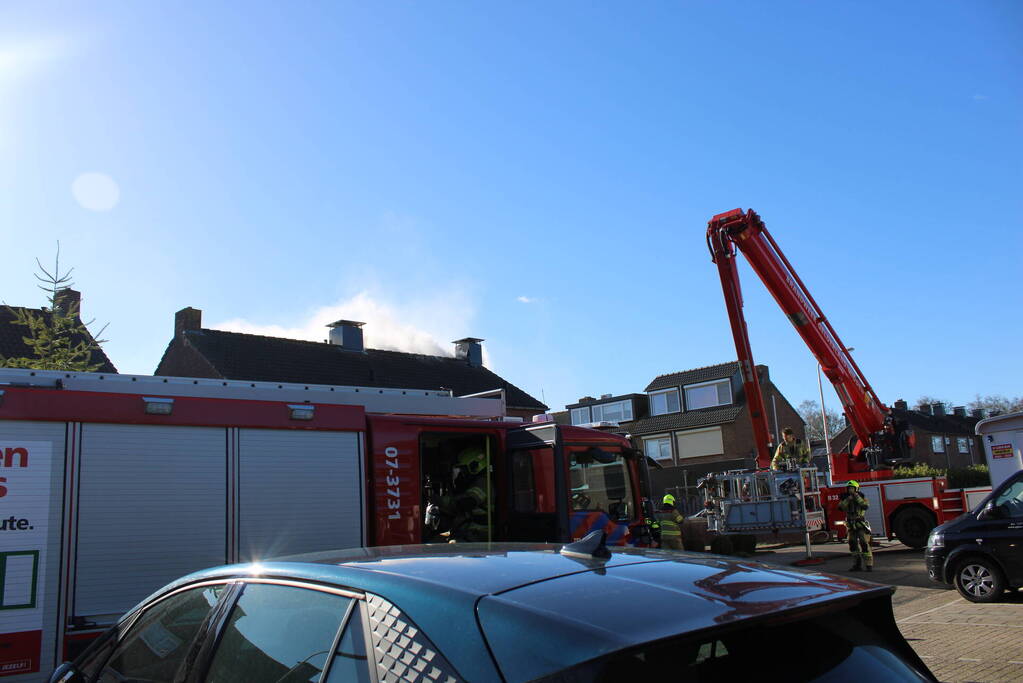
57 337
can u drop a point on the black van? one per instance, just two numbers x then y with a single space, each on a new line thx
981 552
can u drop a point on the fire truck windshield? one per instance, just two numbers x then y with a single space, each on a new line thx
599 481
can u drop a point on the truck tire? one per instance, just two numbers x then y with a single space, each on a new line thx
693 545
912 526
978 579
721 545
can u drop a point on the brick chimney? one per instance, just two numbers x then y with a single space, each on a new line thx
938 409
470 350
901 405
68 300
187 319
347 334
960 412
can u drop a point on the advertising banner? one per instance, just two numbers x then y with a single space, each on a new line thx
24 526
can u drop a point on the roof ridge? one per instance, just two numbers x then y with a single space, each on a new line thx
702 367
316 343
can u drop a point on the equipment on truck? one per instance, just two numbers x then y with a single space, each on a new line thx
905 508
116 484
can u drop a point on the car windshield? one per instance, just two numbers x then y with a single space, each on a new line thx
825 650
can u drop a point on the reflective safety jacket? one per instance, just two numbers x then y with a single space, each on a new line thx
855 507
795 453
670 521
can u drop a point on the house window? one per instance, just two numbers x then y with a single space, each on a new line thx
581 416
699 442
658 447
664 402
708 394
619 411
937 444
964 444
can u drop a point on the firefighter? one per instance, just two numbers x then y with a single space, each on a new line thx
791 452
467 506
671 524
855 505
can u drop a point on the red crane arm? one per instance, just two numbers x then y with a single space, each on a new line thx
746 232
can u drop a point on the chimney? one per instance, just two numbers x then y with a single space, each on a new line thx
925 408
763 374
938 409
347 334
68 301
470 350
979 413
901 404
604 396
187 319
586 399
959 411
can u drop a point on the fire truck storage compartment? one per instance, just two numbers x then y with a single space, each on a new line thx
875 513
439 459
299 491
150 508
909 490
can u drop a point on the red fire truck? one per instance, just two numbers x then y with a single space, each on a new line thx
906 509
113 485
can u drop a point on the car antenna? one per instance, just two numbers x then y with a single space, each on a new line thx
591 546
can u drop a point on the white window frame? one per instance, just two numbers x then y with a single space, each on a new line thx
937 443
659 437
665 392
627 411
715 382
584 422
963 445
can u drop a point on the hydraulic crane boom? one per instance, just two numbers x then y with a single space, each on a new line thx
880 438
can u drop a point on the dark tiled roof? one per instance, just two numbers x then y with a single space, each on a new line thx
11 336
690 420
273 359
939 424
705 374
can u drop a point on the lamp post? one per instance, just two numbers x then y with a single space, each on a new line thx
824 413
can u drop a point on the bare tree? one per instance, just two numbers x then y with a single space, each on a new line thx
810 411
996 404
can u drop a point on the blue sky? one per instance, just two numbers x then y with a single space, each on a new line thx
536 174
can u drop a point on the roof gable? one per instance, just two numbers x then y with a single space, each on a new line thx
274 359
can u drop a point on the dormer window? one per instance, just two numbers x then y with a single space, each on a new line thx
708 394
664 402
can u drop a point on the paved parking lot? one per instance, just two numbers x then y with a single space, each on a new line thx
959 640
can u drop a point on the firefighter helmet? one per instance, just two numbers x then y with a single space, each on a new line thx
474 460
853 483
668 499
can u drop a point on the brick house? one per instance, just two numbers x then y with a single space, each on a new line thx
342 360
12 335
691 422
943 440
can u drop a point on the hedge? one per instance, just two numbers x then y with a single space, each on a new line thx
958 478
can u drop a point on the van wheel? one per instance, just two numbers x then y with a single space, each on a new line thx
912 526
978 580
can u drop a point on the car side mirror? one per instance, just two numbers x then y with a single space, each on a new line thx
991 511
67 673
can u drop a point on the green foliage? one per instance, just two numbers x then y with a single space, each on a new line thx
58 339
974 475
958 478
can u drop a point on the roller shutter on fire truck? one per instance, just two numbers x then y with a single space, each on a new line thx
150 509
299 491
